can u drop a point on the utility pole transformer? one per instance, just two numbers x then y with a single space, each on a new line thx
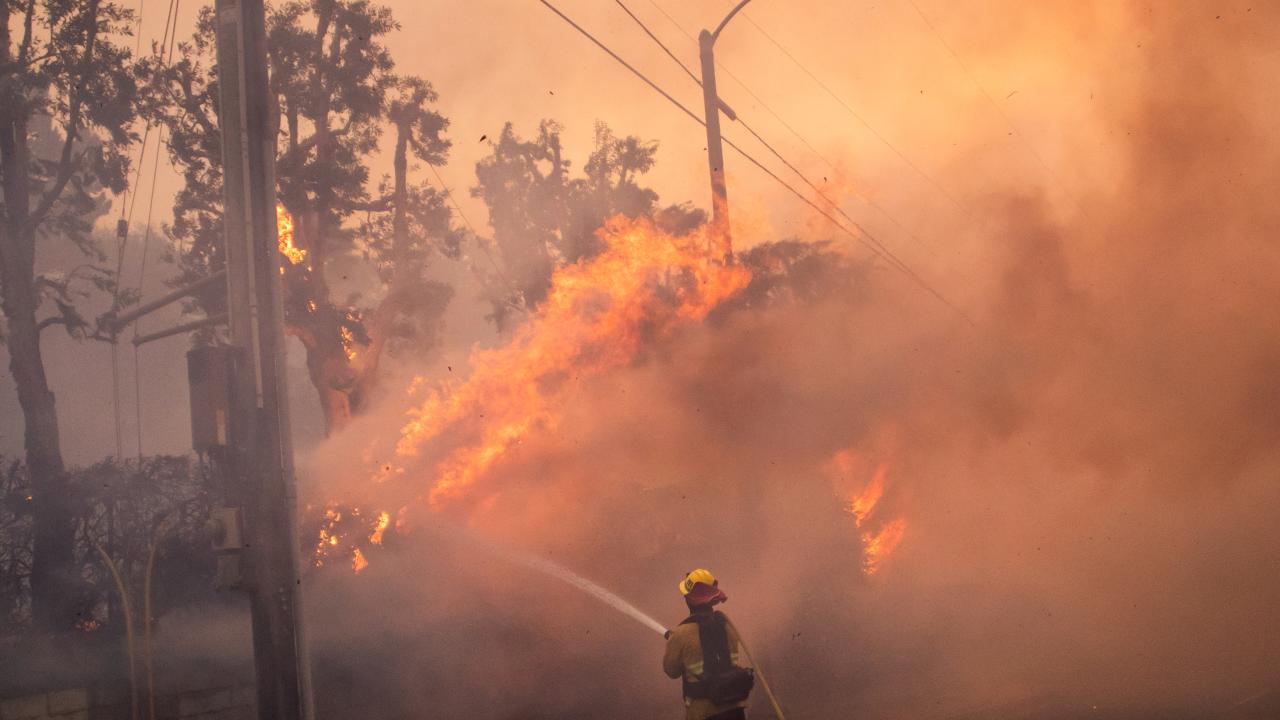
262 449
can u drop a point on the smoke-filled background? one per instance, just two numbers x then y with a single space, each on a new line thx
1084 458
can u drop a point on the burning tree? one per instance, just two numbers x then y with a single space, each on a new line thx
336 92
66 108
543 218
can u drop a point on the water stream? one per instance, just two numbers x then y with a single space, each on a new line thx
565 575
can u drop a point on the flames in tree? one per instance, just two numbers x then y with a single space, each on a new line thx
599 314
595 318
284 233
879 537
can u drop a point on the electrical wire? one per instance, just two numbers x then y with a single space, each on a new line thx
484 247
834 205
171 38
999 110
512 287
871 201
170 19
745 126
863 121
861 238
753 95
654 38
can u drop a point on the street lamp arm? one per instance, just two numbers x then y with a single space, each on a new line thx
727 18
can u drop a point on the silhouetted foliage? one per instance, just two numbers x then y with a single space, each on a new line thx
793 270
334 84
542 217
125 509
67 105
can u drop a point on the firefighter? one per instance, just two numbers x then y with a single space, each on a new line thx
703 652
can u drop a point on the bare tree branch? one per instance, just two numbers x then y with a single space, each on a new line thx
66 164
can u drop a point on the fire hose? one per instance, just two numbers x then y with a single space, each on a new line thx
764 682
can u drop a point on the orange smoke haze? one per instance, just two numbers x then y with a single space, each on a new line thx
1063 510
1082 481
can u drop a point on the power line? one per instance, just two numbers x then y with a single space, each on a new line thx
171 18
127 203
622 62
834 205
454 202
172 39
748 90
742 121
857 116
861 238
480 240
999 110
865 198
654 38
458 208
889 255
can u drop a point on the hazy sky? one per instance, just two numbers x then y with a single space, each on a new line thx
1087 470
913 124
880 107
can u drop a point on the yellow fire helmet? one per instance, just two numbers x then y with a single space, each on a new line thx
701 575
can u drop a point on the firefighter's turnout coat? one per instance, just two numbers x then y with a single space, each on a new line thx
683 659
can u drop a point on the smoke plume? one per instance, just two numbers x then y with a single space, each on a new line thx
1086 473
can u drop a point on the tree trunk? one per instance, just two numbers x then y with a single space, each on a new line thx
331 375
344 383
52 583
316 322
52 580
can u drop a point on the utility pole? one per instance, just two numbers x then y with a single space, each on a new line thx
262 450
715 147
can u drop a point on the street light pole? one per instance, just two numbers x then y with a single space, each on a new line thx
715 146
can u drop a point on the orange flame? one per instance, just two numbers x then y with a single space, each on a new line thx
877 547
328 537
595 318
863 503
384 520
284 231
348 342
597 315
879 539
